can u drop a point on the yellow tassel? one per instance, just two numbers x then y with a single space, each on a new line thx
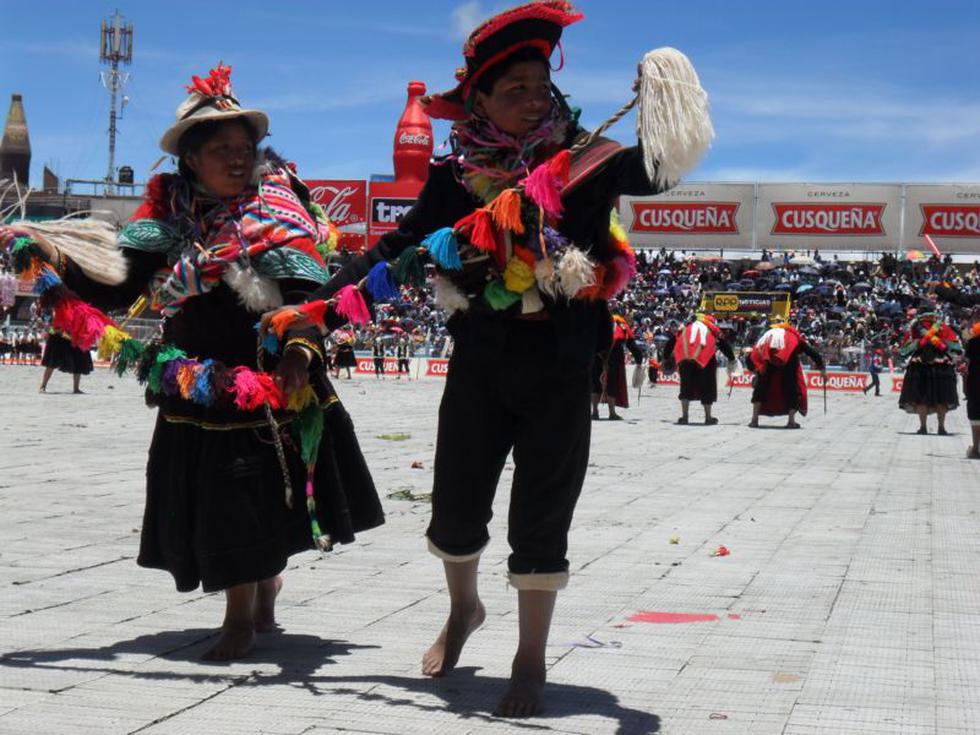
111 342
518 276
506 211
301 399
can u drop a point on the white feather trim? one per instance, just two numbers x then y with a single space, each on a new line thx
255 292
698 334
544 274
672 120
775 337
448 297
575 272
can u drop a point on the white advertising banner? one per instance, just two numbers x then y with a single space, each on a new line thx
691 215
829 216
948 213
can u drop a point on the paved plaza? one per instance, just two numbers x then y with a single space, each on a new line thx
849 602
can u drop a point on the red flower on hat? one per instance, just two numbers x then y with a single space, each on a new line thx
218 83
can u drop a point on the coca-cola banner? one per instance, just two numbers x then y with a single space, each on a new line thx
828 216
949 214
694 215
345 203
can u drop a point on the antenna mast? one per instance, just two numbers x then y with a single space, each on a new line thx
115 48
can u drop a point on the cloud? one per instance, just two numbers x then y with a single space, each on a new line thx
465 18
73 48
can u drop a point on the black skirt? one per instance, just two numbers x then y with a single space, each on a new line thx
697 383
928 384
61 355
215 512
345 358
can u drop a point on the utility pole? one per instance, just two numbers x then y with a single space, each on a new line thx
115 48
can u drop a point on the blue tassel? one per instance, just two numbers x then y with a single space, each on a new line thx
46 280
380 284
201 393
270 343
443 248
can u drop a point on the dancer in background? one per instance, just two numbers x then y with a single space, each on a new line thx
692 352
780 385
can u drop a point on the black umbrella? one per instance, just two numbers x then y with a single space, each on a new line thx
861 287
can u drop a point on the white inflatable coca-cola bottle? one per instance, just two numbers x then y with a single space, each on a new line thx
413 139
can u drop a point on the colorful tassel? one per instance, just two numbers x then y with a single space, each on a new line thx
45 280
270 343
541 187
498 296
298 400
307 427
409 269
130 351
449 297
84 324
315 311
559 166
350 304
617 276
166 354
380 284
111 342
518 276
168 377
544 274
186 378
252 390
202 393
443 248
506 211
478 228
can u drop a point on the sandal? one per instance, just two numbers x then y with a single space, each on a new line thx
682 420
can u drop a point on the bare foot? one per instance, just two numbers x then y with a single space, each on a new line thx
234 642
265 605
524 695
444 653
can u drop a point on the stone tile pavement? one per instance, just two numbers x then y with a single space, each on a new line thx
849 602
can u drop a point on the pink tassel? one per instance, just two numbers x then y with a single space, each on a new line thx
252 390
616 277
350 304
541 188
83 324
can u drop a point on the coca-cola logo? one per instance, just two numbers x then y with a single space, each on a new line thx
339 202
688 218
798 218
407 138
950 220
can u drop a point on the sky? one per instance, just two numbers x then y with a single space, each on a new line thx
830 91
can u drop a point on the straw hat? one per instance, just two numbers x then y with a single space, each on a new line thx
211 99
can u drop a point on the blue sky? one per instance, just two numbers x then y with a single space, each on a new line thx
859 90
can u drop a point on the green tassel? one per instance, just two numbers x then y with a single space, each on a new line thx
497 295
156 371
130 352
409 268
307 428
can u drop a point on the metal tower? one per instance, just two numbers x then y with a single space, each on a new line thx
116 48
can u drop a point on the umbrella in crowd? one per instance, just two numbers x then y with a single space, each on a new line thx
861 287
802 288
802 260
765 265
783 287
809 271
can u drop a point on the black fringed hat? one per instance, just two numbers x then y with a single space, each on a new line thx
532 25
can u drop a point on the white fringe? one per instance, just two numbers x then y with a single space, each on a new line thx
544 274
672 120
575 272
448 297
256 293
698 334
775 337
89 243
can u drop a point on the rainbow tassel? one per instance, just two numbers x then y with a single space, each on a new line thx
350 304
409 269
443 248
84 324
506 211
168 377
380 284
541 187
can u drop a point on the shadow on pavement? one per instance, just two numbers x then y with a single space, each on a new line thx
299 657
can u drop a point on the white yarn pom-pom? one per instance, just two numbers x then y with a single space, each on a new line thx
448 297
256 293
672 121
575 272
544 274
